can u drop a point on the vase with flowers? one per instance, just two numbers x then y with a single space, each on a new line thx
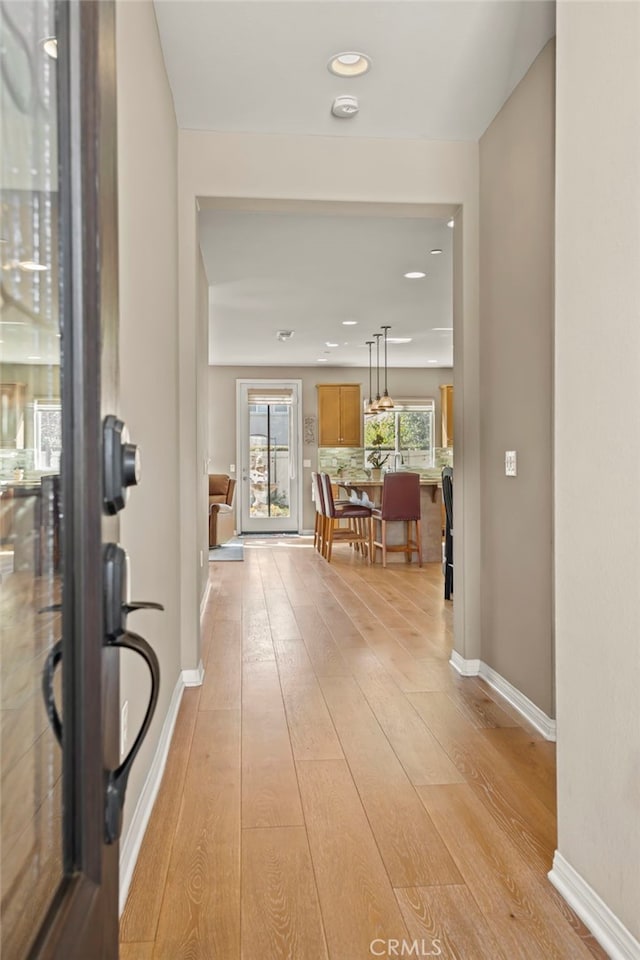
376 457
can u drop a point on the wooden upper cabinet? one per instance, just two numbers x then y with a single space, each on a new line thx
446 406
339 415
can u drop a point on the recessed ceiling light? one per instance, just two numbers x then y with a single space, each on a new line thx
30 266
330 344
349 64
414 275
321 360
349 323
451 222
399 339
442 328
34 356
432 361
434 253
50 47
284 335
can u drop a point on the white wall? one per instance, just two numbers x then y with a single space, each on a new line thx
409 382
517 196
597 449
340 169
148 252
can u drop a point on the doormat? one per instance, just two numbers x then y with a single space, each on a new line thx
228 551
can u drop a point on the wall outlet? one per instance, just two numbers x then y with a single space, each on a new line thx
124 728
232 468
510 463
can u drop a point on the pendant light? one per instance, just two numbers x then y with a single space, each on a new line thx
386 403
375 406
370 406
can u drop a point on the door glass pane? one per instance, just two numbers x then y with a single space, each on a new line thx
269 460
30 448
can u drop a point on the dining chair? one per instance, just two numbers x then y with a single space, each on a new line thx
447 496
359 529
400 502
318 530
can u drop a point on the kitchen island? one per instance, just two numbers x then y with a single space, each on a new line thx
430 509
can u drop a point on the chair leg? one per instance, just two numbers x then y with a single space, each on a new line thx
419 541
329 546
372 549
384 542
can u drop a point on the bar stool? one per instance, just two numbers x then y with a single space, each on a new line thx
318 529
356 532
400 501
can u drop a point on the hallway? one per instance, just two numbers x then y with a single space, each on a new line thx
334 786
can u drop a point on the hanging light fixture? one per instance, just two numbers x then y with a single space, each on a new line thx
370 406
386 403
374 406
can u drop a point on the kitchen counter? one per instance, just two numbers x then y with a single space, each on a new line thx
430 510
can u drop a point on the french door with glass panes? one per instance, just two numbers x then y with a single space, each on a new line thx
269 450
63 468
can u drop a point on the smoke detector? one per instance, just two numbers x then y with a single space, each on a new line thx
284 335
345 107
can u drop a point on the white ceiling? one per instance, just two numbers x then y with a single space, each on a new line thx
308 273
441 70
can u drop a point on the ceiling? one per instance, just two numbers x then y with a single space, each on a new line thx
310 272
441 70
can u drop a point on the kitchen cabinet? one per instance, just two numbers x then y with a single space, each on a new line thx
446 407
340 415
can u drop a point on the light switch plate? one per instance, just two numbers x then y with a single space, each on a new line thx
232 468
306 463
510 463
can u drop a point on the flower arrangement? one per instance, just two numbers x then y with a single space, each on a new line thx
377 458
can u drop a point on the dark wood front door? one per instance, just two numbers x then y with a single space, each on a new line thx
58 350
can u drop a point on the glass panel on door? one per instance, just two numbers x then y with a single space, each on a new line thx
270 465
269 448
31 865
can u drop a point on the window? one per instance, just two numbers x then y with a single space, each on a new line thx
47 434
404 434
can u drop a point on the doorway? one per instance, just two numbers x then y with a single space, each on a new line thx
269 429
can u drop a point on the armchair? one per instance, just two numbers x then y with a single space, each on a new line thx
221 516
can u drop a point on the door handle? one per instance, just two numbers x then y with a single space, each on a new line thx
51 663
116 780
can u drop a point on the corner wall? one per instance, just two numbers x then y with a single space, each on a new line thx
148 253
517 187
597 455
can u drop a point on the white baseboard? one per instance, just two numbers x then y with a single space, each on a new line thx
478 668
608 930
466 668
193 678
131 843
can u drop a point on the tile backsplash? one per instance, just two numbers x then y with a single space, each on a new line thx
350 461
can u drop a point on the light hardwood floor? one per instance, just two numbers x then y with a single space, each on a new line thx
334 785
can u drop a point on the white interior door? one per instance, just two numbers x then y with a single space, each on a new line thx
269 428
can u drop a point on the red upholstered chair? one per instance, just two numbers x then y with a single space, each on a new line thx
358 530
400 501
318 531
